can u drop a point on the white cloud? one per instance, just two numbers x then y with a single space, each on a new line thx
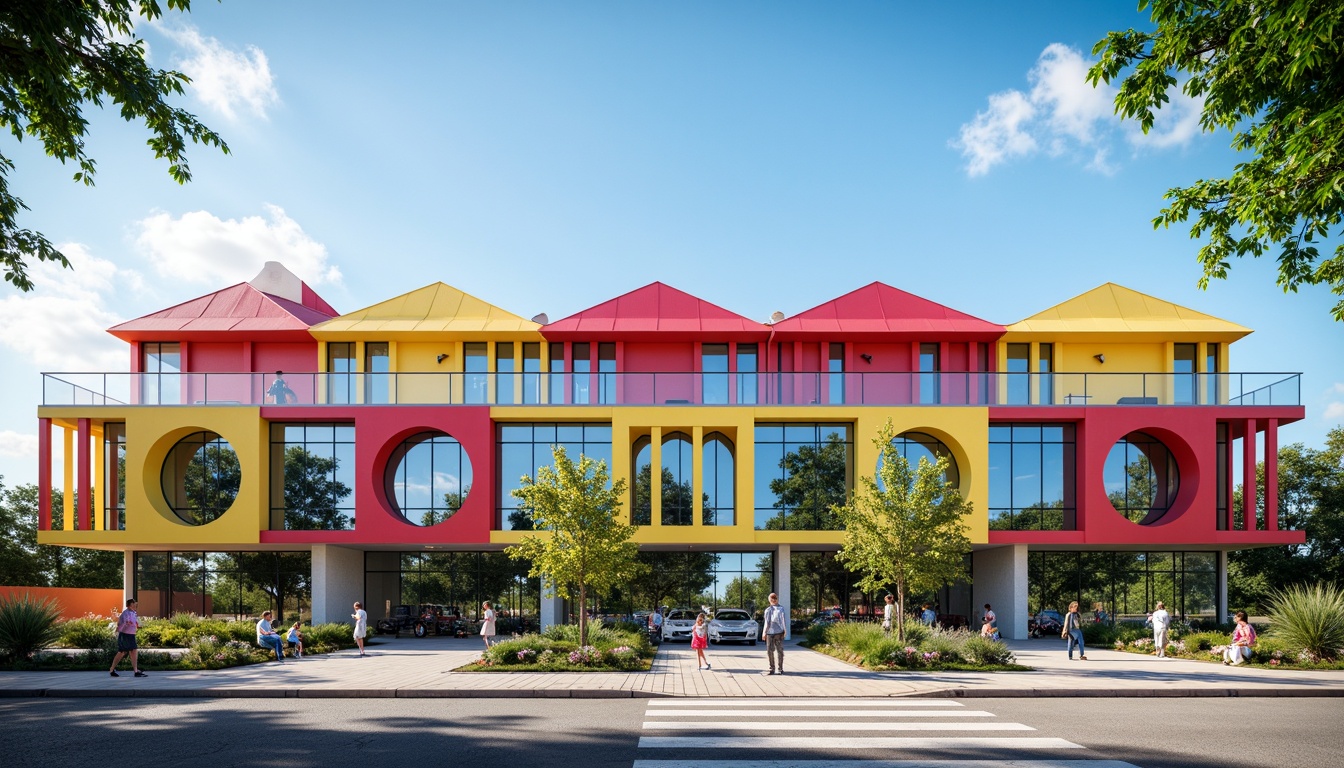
225 80
996 134
16 445
1334 411
61 325
198 247
1064 115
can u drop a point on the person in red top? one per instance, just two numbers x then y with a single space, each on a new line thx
128 623
1243 637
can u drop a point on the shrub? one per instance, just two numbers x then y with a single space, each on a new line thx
816 634
598 636
861 638
1100 634
948 645
183 620
90 633
329 635
1202 642
27 625
211 652
508 652
1310 618
983 651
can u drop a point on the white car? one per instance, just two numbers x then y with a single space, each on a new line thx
677 625
733 625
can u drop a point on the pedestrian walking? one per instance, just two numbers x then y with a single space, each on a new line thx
361 618
1243 637
487 623
267 637
700 641
927 615
888 613
128 624
773 625
1161 623
1073 631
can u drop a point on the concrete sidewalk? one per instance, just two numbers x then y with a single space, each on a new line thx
423 668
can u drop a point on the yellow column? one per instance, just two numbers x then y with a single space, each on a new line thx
68 472
97 485
393 378
744 477
697 475
1033 372
656 476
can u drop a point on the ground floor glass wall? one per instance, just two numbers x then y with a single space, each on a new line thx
458 581
1124 586
695 580
821 583
225 585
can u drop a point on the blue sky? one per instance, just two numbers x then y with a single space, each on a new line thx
546 157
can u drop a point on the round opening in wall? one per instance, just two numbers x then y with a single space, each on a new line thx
1141 478
917 445
428 478
200 477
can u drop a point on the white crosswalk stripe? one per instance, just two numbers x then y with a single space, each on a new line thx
846 726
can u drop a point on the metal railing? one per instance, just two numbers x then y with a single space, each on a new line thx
672 388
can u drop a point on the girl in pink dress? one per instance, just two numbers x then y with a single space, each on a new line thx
700 641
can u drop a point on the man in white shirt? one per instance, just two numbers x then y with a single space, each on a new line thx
1161 623
773 625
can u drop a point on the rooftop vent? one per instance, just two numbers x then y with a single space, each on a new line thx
541 319
775 317
278 281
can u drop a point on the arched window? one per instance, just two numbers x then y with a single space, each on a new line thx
720 486
917 445
641 490
675 488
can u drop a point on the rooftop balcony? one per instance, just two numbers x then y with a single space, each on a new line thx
708 389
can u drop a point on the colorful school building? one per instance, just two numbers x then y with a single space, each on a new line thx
263 445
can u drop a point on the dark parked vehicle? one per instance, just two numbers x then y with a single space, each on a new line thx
424 619
1046 623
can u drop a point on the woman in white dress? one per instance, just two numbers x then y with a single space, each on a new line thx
487 623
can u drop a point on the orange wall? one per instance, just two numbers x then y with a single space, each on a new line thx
75 603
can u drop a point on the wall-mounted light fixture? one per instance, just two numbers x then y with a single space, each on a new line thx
1100 358
867 358
441 358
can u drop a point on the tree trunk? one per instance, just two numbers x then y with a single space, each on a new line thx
583 615
900 611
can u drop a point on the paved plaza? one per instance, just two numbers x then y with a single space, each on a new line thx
411 667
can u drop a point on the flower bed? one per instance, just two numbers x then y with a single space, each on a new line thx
924 648
1268 651
558 650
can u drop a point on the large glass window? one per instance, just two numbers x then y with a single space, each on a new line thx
341 372
606 370
692 580
1211 379
1123 586
930 365
114 475
714 374
313 477
583 369
531 372
454 584
835 372
917 446
556 368
476 372
225 585
675 489
1032 471
523 448
1019 368
1045 365
200 477
801 471
1183 367
747 367
641 490
504 367
1141 478
377 365
719 480
428 478
161 380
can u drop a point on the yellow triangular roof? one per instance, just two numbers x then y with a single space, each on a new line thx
1112 309
437 309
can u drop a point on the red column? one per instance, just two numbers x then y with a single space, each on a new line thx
1248 485
44 474
1229 482
84 474
1272 474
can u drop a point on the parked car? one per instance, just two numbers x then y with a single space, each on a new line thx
423 619
1046 623
678 624
733 625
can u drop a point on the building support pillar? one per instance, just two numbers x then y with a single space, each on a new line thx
1221 589
784 584
1271 475
338 582
552 605
1001 581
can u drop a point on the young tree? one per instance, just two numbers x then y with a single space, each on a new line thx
907 533
59 56
582 543
1269 72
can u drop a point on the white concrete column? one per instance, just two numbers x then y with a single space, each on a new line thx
1001 580
1221 597
127 576
552 606
338 581
784 584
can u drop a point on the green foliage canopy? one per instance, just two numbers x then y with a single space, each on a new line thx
1268 71
56 57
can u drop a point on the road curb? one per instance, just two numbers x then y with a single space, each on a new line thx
598 693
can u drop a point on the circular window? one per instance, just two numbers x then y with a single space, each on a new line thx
1141 478
428 478
201 477
917 445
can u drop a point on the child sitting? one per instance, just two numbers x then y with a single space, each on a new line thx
295 638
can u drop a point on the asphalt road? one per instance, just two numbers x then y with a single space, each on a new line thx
578 733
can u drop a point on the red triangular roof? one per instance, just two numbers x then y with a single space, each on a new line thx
878 311
239 311
656 312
